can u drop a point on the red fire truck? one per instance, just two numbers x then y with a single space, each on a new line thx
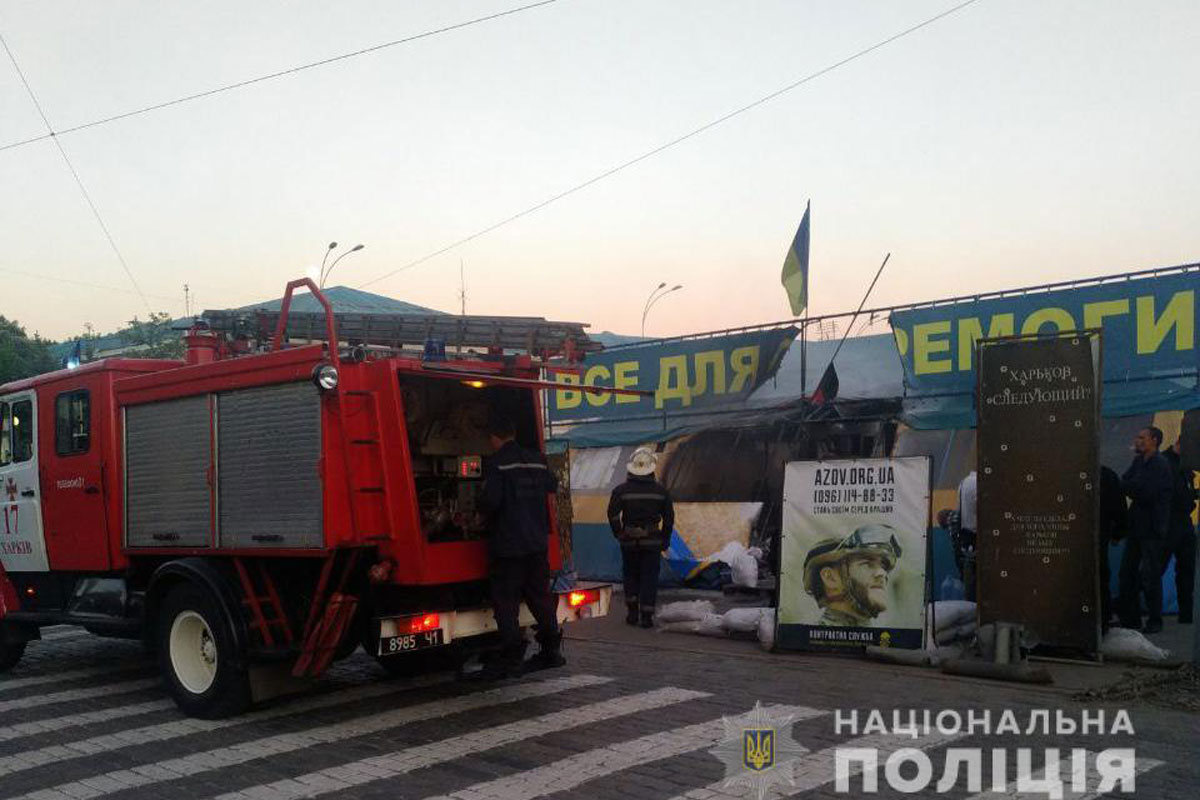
270 500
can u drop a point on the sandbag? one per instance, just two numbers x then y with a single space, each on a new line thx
743 619
950 613
711 625
1126 643
684 611
961 633
687 626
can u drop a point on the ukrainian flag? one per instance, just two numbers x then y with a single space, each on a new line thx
795 268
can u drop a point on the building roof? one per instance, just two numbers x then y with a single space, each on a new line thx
344 300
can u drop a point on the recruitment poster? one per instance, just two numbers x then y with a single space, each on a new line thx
853 554
1039 487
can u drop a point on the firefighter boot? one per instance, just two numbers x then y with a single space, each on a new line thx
631 613
549 655
647 618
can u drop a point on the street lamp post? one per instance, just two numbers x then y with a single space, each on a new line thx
654 298
321 274
646 307
326 273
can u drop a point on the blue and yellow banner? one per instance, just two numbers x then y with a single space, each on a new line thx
1149 329
684 375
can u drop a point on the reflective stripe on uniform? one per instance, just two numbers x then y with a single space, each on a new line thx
640 496
522 466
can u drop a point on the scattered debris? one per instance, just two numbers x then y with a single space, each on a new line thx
1176 689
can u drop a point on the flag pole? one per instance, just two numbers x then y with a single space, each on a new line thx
804 317
850 327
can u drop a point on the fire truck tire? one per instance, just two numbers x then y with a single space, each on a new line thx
196 654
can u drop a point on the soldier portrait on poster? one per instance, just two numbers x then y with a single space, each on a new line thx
853 558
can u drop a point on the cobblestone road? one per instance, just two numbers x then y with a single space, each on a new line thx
84 717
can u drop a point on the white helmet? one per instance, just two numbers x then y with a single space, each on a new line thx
643 462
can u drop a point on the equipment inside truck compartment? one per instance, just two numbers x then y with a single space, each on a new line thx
447 421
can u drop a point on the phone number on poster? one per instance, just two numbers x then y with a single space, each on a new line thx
868 495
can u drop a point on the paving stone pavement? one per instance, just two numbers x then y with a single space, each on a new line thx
634 715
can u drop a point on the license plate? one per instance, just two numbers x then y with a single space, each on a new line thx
394 645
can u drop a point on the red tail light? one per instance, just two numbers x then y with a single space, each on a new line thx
418 624
577 599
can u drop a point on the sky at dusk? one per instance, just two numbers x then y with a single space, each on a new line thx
1011 143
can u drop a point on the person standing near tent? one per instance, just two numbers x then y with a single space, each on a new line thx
1181 534
1147 483
642 517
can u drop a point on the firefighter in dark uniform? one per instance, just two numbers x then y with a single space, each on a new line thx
516 486
642 517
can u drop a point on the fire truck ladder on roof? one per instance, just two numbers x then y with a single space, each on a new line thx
533 335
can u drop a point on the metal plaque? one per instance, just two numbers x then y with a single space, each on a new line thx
1039 487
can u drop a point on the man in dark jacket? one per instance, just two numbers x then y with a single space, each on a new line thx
642 517
1181 534
516 487
1147 483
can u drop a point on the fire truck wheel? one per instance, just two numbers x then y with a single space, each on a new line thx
196 653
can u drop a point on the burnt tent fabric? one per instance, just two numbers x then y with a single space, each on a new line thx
167 455
268 448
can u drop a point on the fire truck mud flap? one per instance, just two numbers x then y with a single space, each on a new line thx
413 633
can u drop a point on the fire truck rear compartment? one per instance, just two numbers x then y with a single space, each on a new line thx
447 423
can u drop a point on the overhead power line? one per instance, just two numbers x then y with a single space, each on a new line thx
74 174
86 284
272 76
668 145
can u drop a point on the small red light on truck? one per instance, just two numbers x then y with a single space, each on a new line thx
418 624
577 599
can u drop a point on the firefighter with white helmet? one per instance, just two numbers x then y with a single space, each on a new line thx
642 517
849 577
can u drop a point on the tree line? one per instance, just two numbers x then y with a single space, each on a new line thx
23 356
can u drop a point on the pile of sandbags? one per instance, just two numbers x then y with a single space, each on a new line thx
698 616
949 621
684 611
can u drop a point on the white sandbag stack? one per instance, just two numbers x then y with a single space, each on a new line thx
684 611
685 616
949 621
